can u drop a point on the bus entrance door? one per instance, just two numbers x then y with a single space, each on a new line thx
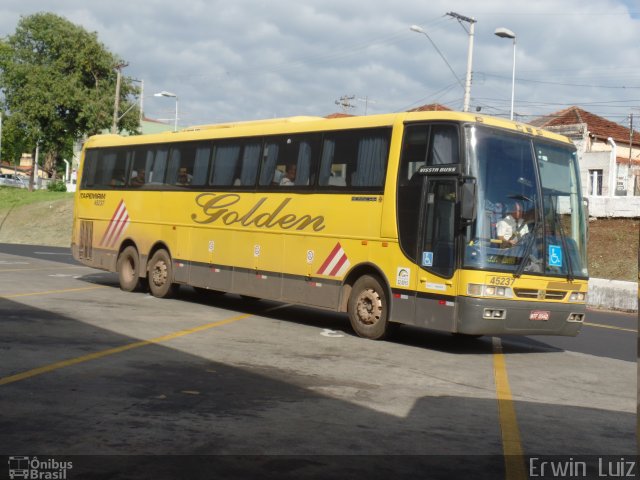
435 306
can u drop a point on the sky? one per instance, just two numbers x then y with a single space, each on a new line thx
250 59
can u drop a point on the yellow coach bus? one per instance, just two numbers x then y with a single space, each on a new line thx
445 220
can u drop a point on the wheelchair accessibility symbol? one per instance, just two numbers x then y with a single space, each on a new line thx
555 256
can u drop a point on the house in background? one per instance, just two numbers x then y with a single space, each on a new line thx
609 156
23 169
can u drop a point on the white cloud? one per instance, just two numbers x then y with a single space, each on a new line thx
250 59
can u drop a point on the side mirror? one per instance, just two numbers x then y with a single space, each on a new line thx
468 200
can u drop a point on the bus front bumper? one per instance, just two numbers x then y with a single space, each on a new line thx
481 316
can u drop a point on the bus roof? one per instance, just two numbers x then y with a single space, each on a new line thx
302 124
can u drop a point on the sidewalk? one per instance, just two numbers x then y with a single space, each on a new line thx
613 294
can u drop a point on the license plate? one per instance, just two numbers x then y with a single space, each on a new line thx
539 315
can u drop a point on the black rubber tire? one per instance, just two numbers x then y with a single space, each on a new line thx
368 308
128 268
160 275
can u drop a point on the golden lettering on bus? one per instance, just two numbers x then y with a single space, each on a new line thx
218 208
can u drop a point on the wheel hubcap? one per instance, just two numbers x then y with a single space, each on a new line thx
369 307
159 276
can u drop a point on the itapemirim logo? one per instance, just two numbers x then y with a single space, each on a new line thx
36 469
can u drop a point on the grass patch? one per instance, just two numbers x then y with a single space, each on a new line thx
15 197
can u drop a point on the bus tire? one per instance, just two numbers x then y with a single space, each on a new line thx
160 275
368 308
128 268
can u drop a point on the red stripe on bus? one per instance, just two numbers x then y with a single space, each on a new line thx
118 231
329 259
338 266
113 226
115 214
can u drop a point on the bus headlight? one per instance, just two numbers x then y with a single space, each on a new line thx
481 290
578 297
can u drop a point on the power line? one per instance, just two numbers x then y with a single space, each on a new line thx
564 84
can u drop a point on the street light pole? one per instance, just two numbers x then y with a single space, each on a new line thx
164 93
506 33
116 106
467 84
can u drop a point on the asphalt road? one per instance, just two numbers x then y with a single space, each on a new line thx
277 391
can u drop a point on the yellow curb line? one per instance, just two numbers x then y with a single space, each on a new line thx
511 444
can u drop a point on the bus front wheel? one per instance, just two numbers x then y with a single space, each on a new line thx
368 308
128 269
160 275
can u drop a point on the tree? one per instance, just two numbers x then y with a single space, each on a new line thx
59 85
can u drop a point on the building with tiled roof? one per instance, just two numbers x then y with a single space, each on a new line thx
431 107
600 128
609 154
339 115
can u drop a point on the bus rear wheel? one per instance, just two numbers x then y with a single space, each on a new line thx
129 269
368 308
160 275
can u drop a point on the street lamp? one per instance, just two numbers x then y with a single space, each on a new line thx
164 93
506 33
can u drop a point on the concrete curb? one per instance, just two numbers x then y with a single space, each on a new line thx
613 294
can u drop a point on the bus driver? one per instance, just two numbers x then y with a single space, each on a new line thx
512 227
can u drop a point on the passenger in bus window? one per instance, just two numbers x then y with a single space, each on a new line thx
289 178
117 180
183 177
138 179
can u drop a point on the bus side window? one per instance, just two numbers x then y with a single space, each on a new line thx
269 162
371 161
89 170
290 161
173 165
201 164
250 163
355 158
106 167
188 164
414 152
444 148
225 161
333 169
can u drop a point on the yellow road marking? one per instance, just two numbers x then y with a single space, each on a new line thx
611 327
51 292
112 351
511 445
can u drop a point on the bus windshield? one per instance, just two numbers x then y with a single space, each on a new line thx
530 217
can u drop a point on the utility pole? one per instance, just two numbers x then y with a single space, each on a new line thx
141 101
345 102
141 82
467 84
116 106
630 175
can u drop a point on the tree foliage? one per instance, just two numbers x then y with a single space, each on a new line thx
59 84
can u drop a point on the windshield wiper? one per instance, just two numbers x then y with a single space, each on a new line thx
527 250
563 239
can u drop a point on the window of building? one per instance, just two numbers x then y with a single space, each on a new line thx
595 182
